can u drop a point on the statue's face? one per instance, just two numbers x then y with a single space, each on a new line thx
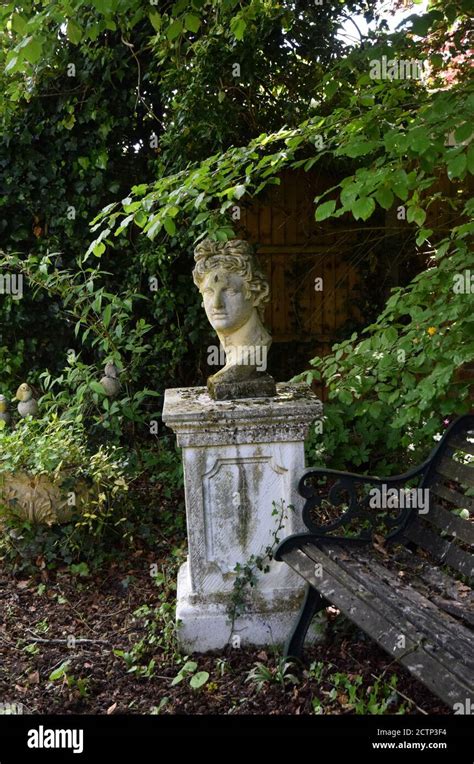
225 302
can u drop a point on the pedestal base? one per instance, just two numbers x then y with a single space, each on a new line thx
259 386
242 462
205 624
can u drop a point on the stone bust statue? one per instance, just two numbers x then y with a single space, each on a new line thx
234 295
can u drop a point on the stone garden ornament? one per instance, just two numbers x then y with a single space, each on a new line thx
235 292
110 380
28 405
4 413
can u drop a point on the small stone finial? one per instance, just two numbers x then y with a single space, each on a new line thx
28 405
4 413
234 294
110 381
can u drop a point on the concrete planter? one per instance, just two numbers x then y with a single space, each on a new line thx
39 499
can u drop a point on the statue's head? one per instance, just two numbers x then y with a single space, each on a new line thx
230 282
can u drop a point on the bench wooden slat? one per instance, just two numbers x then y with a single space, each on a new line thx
404 602
460 560
462 473
436 579
443 551
435 668
423 613
455 497
457 609
371 591
449 593
461 444
450 523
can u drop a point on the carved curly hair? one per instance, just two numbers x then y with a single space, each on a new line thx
235 256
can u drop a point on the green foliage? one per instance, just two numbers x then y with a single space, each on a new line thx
350 694
159 627
103 96
83 141
389 394
216 184
197 679
59 449
78 684
281 674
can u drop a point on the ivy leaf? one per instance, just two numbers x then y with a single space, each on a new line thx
192 22
464 132
384 197
155 19
325 210
96 387
358 148
457 166
74 32
470 159
238 25
174 29
417 215
32 50
424 234
199 679
170 226
363 208
239 191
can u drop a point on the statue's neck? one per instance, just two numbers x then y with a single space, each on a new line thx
251 334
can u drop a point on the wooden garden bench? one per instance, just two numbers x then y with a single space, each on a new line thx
402 573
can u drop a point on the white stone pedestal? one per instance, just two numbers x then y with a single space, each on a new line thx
239 457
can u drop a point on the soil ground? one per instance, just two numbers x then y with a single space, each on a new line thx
101 609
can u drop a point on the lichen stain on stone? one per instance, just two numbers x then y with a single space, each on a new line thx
244 509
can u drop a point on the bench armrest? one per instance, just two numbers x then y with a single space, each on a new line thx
358 509
345 490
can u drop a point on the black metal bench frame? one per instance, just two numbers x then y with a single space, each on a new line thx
407 529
